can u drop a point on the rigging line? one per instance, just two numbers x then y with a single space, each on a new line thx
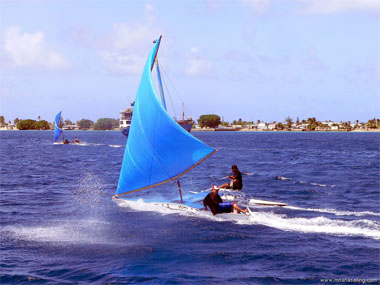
166 74
175 90
191 182
212 178
170 97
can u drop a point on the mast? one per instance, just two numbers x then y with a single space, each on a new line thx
60 120
155 60
160 83
155 56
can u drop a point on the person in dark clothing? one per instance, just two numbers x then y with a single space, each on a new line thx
76 140
212 200
236 180
66 141
216 204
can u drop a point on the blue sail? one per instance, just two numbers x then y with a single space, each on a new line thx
158 150
57 130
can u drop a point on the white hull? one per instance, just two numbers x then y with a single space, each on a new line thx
266 203
180 208
239 197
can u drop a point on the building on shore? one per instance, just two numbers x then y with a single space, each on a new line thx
70 128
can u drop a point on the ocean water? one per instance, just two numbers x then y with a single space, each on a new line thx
60 226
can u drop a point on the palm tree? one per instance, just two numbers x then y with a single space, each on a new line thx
39 118
289 121
312 123
279 126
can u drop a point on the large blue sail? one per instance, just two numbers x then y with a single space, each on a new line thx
57 130
158 150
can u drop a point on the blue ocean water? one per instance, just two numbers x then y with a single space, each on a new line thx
59 224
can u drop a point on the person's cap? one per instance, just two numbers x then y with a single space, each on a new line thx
213 187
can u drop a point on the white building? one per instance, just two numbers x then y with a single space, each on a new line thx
262 126
70 127
271 126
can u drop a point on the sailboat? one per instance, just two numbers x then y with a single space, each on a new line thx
57 130
158 149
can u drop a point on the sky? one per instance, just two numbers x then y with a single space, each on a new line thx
251 59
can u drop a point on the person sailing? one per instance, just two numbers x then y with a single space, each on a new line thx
76 140
66 141
216 204
236 180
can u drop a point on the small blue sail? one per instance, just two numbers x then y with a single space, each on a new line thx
158 150
57 130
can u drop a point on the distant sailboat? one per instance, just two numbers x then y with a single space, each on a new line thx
158 149
57 130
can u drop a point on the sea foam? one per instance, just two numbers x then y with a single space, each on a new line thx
321 224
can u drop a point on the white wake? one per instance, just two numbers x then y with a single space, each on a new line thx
360 227
74 232
336 212
365 228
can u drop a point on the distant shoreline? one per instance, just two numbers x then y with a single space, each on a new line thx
242 130
292 131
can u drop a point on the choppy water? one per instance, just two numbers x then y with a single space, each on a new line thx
59 225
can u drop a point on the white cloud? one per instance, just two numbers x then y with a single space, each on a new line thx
257 5
126 47
197 64
320 6
30 50
274 60
123 63
339 6
213 4
130 37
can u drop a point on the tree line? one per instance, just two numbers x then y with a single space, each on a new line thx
100 124
213 121
204 121
83 124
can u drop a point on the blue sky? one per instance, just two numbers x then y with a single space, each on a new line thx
249 59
